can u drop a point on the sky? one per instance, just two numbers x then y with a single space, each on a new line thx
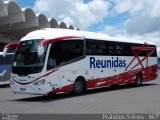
135 19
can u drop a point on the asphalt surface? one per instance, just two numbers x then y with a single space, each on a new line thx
119 99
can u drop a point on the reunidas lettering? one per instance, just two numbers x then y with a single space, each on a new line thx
113 63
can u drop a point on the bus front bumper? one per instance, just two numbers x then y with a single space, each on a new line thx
28 89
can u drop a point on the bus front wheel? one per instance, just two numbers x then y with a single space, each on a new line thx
79 87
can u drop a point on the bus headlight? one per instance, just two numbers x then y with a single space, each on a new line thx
40 82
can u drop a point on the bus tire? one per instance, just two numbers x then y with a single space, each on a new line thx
138 80
79 86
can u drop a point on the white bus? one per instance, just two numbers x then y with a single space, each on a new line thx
60 60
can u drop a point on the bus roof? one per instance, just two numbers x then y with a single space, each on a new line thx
51 33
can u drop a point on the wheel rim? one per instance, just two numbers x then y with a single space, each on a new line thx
78 87
138 80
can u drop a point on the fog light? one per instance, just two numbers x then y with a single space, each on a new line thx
40 82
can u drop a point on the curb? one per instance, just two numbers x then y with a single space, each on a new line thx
4 84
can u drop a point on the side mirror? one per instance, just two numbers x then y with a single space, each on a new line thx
41 47
10 45
40 50
4 51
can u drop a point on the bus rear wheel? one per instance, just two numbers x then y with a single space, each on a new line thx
138 80
79 87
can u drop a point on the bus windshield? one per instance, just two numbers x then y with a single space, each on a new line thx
26 60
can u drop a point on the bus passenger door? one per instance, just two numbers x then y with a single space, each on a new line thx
52 83
65 81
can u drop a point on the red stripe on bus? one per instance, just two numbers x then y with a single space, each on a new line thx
145 47
35 79
149 73
14 44
57 39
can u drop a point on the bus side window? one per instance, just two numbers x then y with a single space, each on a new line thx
110 50
118 50
93 47
62 52
75 49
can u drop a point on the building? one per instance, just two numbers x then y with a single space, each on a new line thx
16 22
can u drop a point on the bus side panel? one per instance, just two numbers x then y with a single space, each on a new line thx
107 76
151 72
148 69
70 72
133 67
122 75
66 81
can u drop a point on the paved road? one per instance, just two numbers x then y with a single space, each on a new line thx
124 99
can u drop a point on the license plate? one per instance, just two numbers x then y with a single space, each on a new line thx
23 89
